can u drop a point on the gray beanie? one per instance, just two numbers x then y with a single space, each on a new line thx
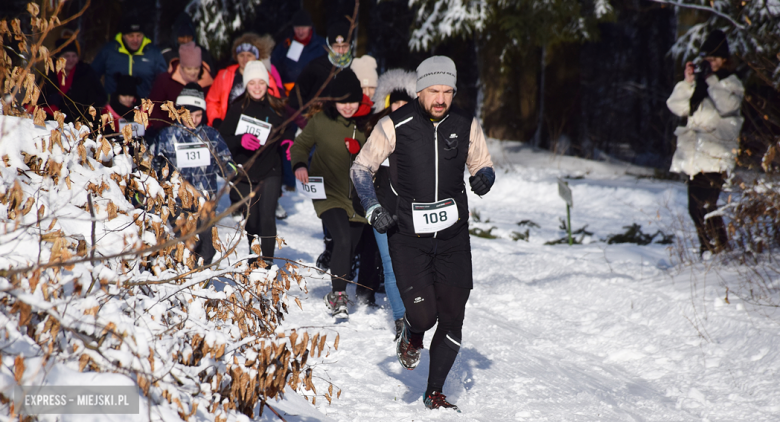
436 70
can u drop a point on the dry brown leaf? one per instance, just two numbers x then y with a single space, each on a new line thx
322 344
298 302
33 9
59 66
83 361
336 343
127 133
105 147
185 115
112 211
56 139
141 118
215 240
18 368
171 109
39 117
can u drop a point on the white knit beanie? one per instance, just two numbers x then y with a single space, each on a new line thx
365 69
255 70
436 70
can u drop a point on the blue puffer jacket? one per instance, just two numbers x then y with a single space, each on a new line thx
146 63
203 178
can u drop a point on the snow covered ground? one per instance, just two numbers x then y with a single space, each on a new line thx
589 332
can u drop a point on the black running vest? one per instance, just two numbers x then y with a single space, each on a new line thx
427 164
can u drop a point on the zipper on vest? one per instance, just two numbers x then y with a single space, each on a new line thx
436 159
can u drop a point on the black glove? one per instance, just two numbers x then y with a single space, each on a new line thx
703 70
480 184
382 220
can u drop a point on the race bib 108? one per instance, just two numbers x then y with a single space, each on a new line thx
192 155
315 189
434 216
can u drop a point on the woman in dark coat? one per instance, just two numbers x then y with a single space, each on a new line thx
338 137
252 124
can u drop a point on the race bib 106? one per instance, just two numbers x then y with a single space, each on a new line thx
192 155
434 216
315 189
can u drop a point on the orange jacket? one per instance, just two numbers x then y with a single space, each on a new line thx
219 94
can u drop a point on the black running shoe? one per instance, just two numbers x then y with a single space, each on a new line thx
323 261
408 353
437 400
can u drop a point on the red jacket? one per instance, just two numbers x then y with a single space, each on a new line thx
219 94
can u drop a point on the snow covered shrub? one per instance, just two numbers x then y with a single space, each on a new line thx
118 292
97 282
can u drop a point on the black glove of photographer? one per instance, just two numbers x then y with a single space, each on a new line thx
382 220
703 70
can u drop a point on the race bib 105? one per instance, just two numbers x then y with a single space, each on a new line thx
254 126
434 216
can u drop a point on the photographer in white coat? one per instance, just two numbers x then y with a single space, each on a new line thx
710 98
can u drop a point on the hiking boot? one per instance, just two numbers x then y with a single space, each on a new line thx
408 353
281 214
399 326
337 303
437 400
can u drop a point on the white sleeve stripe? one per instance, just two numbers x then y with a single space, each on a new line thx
404 122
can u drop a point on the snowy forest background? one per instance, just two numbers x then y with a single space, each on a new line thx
94 287
608 65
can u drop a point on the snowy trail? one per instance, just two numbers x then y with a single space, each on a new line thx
558 333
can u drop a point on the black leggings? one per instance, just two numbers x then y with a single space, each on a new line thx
262 211
447 305
346 235
703 192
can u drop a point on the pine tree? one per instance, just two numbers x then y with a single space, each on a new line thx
218 20
751 27
522 26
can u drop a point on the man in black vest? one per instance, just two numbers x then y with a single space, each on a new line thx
427 145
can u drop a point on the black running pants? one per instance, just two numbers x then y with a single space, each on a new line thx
261 220
346 235
434 278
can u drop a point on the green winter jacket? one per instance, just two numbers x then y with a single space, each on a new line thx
331 160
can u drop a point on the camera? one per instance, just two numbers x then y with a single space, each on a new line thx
702 67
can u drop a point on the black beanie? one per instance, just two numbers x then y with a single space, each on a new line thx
126 84
338 31
130 25
346 83
400 95
73 46
301 18
716 45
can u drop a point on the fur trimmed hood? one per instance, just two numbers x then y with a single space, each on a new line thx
265 44
390 81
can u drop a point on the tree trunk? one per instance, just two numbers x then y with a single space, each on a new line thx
540 122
